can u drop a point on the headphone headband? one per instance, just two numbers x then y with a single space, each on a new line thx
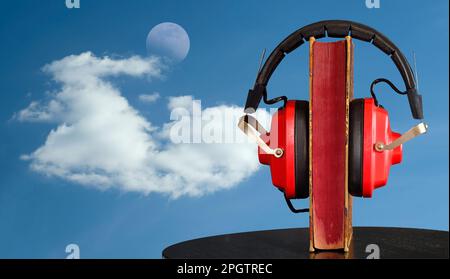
336 29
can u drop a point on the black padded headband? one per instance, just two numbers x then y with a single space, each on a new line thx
336 29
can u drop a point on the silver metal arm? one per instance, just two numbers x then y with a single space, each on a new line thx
409 135
249 125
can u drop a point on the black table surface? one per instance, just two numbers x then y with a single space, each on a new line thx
294 243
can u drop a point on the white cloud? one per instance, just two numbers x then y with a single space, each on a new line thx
149 98
35 112
83 86
184 102
102 141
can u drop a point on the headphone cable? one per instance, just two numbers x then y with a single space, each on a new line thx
291 207
274 100
378 80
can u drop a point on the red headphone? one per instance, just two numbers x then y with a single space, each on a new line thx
373 146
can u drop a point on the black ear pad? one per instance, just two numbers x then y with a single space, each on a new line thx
355 150
301 149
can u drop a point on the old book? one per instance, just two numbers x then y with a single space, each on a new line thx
331 89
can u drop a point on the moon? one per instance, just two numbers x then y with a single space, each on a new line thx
168 40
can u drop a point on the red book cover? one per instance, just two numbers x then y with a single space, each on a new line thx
328 142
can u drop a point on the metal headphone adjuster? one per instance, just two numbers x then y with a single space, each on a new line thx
246 122
415 131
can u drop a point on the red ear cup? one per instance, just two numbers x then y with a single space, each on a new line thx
289 131
355 152
302 149
369 168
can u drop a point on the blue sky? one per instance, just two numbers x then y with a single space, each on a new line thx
40 215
